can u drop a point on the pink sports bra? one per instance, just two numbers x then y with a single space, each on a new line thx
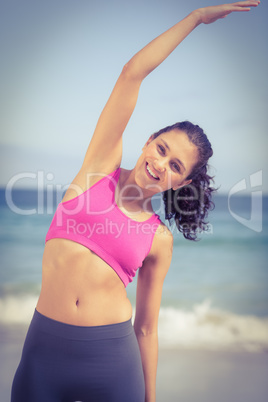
94 220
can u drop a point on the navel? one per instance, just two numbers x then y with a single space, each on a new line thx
77 302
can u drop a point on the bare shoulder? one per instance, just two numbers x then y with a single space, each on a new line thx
164 230
163 234
157 263
162 246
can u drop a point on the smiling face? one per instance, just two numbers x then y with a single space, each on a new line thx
166 162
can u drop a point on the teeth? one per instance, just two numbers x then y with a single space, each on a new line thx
151 173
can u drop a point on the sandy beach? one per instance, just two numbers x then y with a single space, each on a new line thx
212 376
183 375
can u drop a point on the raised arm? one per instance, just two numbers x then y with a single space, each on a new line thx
105 149
107 136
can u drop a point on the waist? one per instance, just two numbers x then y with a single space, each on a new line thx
75 332
79 288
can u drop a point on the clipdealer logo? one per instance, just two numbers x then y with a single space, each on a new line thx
255 221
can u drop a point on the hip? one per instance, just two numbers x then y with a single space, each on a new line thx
79 362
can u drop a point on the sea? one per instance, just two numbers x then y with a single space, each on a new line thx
215 295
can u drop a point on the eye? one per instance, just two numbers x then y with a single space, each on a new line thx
161 149
176 167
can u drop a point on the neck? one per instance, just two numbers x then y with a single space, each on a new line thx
131 192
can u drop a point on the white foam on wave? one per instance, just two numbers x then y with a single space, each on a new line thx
17 310
203 327
211 328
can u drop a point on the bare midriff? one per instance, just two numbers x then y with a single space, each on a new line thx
79 288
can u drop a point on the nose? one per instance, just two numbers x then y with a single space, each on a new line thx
159 165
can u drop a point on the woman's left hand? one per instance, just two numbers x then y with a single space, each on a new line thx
213 13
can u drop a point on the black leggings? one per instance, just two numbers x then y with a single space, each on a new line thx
68 363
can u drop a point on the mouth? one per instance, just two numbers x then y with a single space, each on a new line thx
150 173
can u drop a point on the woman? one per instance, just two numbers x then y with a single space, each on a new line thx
81 345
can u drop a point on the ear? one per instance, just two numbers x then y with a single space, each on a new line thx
148 142
184 183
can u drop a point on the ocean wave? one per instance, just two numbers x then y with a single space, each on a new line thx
210 328
202 327
17 310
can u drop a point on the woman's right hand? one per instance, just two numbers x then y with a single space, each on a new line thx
211 14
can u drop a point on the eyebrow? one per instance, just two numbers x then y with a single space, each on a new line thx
178 160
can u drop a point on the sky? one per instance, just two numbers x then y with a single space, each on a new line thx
61 59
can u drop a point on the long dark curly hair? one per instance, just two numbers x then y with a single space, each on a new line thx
189 205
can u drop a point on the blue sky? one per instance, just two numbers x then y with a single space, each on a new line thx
60 60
